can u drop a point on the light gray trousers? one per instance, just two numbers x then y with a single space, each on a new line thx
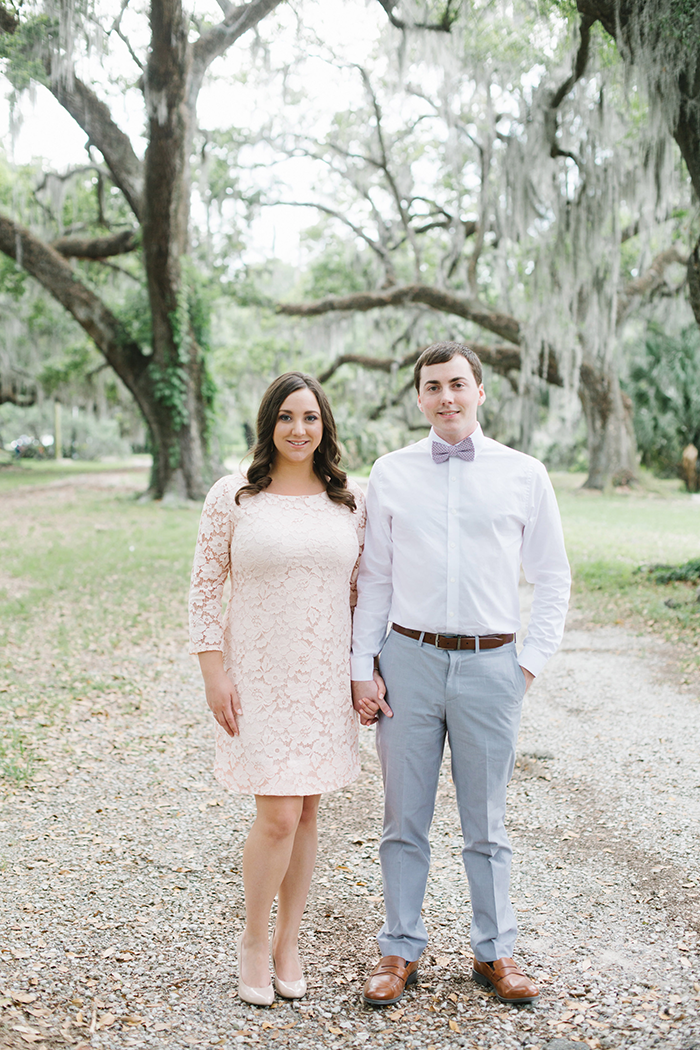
475 698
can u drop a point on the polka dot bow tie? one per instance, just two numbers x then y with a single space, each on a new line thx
463 450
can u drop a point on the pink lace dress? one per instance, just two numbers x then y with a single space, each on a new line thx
285 635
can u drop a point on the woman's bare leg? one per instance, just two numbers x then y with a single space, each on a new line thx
266 860
293 892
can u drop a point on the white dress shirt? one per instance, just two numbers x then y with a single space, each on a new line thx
444 546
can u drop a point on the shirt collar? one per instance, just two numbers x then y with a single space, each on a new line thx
477 437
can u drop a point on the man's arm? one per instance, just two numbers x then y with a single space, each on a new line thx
545 566
374 589
374 583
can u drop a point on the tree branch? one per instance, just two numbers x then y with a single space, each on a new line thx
215 42
437 298
376 247
9 22
117 28
394 189
15 390
502 359
97 247
390 402
558 96
55 274
653 278
444 25
94 117
374 364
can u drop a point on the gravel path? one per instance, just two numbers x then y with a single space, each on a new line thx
121 891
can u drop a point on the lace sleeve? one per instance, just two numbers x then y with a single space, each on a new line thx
211 566
360 522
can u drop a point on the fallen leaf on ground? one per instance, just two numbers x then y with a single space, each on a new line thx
455 1027
24 997
30 1035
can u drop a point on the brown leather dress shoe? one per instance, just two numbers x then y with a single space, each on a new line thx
385 985
506 978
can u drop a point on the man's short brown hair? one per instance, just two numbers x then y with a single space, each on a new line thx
440 353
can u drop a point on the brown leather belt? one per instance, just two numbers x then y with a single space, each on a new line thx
456 641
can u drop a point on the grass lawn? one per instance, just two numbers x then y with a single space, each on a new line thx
89 580
610 537
31 472
93 586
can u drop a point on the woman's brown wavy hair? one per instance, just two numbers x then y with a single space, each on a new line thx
326 456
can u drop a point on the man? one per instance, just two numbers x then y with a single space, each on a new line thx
450 521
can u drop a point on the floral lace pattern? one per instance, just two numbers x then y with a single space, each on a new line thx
285 635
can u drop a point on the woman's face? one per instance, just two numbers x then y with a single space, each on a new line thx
299 429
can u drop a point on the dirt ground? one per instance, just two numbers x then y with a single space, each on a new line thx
121 898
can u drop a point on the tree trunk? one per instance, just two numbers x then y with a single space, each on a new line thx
168 379
608 414
182 465
176 370
694 281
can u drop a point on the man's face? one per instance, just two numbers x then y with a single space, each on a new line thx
449 397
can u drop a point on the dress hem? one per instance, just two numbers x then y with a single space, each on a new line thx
313 791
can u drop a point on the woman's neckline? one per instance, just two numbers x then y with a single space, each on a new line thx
296 495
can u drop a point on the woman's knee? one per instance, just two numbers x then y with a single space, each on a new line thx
309 811
279 819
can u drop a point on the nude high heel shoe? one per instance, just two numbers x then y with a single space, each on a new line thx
255 996
288 989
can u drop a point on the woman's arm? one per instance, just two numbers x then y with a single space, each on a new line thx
360 524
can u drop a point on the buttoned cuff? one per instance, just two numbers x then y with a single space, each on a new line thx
362 668
531 659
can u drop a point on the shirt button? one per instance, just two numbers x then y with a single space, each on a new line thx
452 546
452 579
452 616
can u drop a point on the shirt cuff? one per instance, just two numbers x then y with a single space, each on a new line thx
532 660
362 668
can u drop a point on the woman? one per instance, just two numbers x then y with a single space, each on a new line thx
276 672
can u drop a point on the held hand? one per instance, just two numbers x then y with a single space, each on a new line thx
368 699
529 677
